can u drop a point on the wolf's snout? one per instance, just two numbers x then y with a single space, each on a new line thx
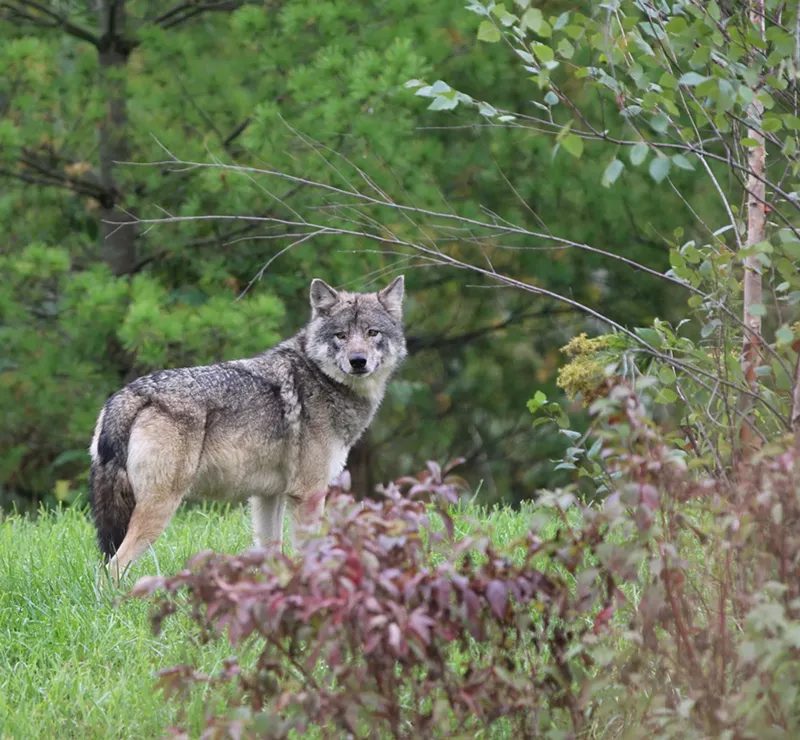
358 363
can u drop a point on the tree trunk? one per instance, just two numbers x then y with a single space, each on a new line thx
359 463
795 420
117 243
756 233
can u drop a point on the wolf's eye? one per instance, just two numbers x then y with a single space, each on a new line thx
373 333
341 335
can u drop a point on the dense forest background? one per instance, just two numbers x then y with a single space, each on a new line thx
303 87
597 208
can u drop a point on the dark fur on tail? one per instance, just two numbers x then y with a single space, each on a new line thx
110 493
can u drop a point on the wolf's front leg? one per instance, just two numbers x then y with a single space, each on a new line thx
268 520
307 516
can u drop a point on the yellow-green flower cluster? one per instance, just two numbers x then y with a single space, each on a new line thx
584 373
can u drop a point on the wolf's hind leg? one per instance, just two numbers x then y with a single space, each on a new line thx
149 520
163 455
268 513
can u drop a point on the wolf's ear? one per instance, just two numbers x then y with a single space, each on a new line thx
323 297
392 297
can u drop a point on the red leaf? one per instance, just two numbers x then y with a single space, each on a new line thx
436 470
648 496
454 463
448 524
602 619
395 638
443 591
497 596
421 624
473 607
147 585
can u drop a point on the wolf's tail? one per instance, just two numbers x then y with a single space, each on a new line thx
110 493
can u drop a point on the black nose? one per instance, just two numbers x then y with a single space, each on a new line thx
358 362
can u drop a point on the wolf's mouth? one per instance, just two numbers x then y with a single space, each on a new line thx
358 371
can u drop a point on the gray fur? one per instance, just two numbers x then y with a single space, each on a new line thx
275 428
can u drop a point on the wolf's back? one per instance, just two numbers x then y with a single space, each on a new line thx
110 493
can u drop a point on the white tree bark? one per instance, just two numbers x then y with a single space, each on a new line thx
756 231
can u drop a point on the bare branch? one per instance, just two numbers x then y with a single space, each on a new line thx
38 14
236 133
421 343
183 12
46 174
387 237
496 228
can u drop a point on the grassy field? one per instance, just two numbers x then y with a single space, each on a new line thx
72 664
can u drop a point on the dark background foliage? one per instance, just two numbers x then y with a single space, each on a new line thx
298 87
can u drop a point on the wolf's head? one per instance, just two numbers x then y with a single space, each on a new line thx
357 338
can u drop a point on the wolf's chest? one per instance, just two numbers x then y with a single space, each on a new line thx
338 459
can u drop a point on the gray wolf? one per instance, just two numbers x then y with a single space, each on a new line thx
275 428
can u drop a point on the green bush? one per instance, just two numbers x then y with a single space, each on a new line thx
68 334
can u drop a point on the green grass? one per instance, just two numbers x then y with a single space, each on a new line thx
72 664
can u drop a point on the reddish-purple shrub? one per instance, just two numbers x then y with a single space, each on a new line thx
385 624
361 631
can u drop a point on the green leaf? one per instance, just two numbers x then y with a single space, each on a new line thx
666 375
573 144
668 81
535 403
750 142
639 153
708 89
543 53
691 254
564 131
566 49
682 163
791 122
488 32
660 123
443 103
666 395
784 335
757 309
532 18
613 171
551 98
659 168
10 135
792 248
691 79
506 18
651 336
708 329
771 123
676 25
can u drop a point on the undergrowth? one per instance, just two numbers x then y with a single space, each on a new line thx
72 664
671 610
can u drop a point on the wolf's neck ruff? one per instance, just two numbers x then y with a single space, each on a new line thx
275 428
